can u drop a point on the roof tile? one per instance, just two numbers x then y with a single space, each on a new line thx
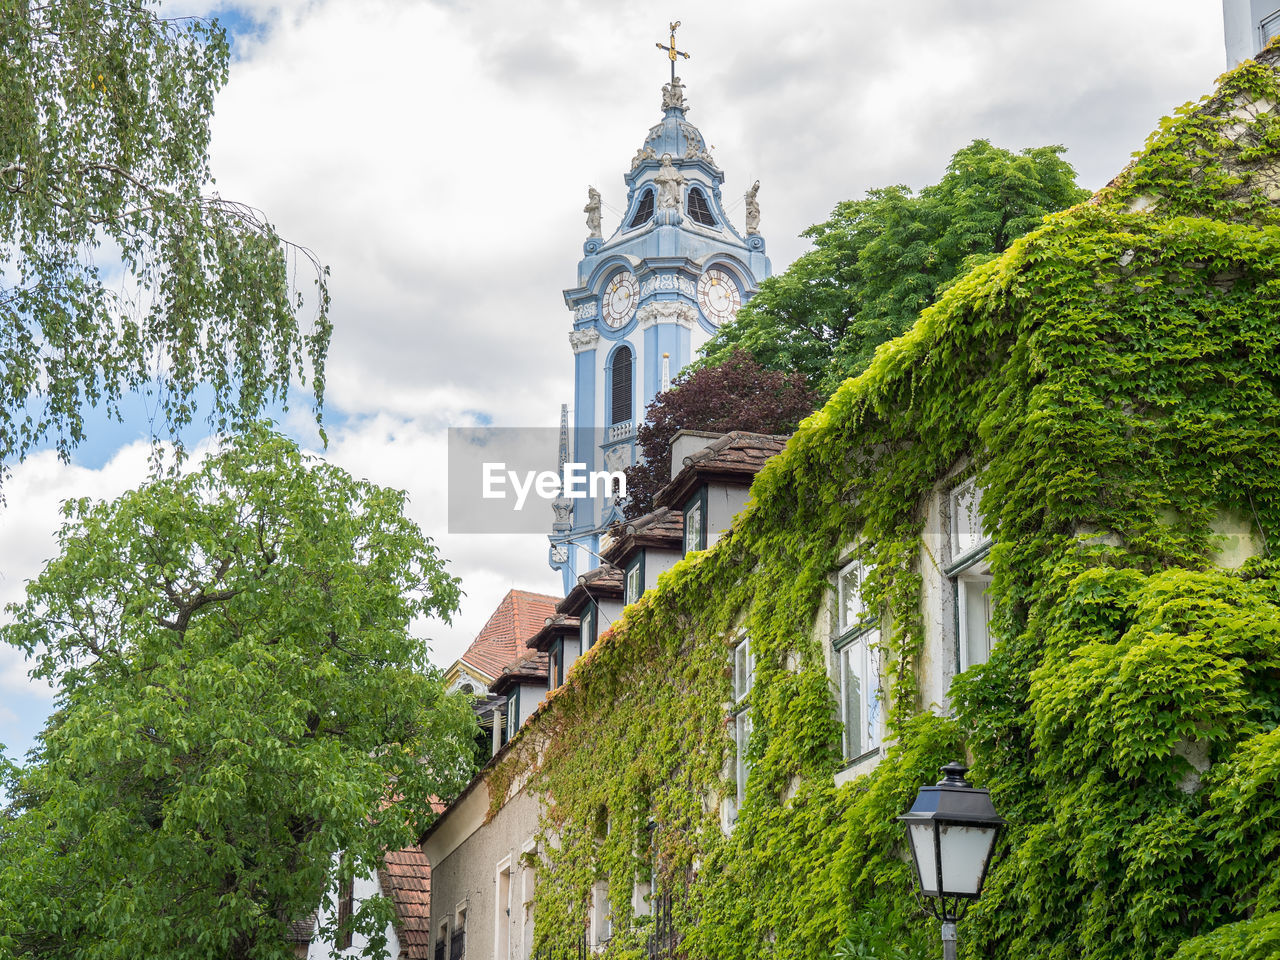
504 638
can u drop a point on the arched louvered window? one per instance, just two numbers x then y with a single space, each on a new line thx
644 210
699 209
620 386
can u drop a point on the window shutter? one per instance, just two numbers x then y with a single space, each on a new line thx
620 386
699 210
644 211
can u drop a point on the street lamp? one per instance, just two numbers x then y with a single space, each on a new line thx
952 828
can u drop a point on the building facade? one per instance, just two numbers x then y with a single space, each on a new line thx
646 298
1038 535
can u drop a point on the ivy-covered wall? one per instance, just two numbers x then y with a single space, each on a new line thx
1114 381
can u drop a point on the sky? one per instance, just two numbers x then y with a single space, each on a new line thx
436 155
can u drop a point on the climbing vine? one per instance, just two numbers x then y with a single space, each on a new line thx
1113 380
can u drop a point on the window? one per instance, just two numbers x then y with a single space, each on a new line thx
442 942
513 711
527 881
853 609
744 670
857 664
346 906
644 210
1269 28
458 944
744 677
973 616
699 210
695 522
587 627
860 695
970 575
601 913
555 666
502 912
633 586
968 538
620 386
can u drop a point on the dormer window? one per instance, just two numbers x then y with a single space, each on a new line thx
644 211
695 522
513 712
698 208
587 628
633 584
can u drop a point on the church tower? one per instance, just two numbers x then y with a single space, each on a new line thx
646 299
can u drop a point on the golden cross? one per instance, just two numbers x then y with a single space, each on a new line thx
671 50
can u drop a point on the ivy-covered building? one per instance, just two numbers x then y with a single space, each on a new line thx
1037 533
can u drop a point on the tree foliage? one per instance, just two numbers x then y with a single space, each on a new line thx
736 394
877 262
239 690
120 269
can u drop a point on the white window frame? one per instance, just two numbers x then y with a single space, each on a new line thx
601 915
858 666
973 627
969 573
633 587
743 660
695 535
555 659
852 611
501 911
528 886
969 538
857 660
445 934
513 712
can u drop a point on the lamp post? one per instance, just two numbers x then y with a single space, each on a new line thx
952 829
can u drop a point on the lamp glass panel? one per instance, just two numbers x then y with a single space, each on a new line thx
921 835
965 851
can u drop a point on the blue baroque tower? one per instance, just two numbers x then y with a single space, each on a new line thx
646 299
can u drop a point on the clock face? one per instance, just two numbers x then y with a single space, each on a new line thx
718 296
618 302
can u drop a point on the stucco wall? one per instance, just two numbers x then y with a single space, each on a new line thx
467 879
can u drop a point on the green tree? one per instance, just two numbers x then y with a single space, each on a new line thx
879 261
120 269
239 696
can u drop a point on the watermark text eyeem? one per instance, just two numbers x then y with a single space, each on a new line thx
574 482
536 479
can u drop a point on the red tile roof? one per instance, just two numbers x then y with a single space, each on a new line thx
405 878
503 640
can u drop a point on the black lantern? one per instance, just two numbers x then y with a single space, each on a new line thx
952 828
